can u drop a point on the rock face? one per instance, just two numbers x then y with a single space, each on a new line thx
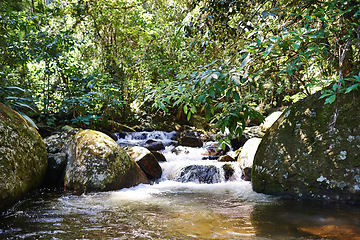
23 157
96 163
303 157
147 162
247 154
57 158
269 121
56 142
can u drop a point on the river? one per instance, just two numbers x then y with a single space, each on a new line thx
176 209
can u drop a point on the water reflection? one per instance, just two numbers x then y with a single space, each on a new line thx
286 219
173 211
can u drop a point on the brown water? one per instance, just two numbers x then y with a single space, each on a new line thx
171 210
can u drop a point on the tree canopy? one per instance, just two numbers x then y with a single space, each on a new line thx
87 61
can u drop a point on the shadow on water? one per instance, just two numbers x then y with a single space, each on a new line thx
291 219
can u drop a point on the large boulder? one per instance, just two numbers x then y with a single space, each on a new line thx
23 157
97 163
303 156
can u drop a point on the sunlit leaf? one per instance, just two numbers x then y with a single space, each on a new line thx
268 50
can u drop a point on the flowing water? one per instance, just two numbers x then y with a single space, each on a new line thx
178 207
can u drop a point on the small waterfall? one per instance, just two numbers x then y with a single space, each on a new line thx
185 164
140 138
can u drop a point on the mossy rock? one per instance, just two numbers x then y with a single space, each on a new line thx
97 163
302 156
23 158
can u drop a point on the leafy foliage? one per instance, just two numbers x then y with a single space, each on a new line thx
85 61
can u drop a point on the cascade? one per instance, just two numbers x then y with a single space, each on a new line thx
185 164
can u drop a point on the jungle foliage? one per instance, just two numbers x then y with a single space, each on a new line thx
88 61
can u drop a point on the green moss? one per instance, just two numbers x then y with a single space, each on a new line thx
301 147
23 158
96 162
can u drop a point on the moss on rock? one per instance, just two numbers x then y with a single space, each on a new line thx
302 157
23 157
97 163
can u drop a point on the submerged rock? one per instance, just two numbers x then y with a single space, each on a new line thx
213 151
23 158
97 163
153 145
228 171
147 161
302 156
246 174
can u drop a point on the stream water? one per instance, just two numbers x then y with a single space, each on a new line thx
174 208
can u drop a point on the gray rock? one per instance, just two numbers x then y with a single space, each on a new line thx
302 156
56 142
199 174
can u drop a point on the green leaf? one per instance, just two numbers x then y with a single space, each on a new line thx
268 50
162 106
245 61
216 75
201 97
265 14
12 88
330 99
27 118
212 92
208 79
236 96
352 87
258 41
188 116
296 45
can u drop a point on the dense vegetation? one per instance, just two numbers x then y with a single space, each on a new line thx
84 62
